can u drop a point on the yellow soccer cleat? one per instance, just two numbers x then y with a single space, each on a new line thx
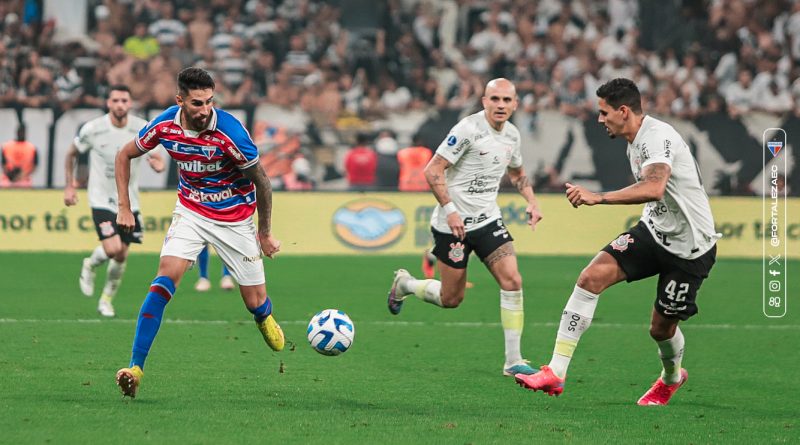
128 380
272 332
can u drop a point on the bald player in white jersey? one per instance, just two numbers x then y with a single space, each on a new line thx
464 175
102 138
675 239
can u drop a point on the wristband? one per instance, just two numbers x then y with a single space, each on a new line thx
449 208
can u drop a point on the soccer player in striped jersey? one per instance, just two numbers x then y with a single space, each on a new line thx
102 138
221 186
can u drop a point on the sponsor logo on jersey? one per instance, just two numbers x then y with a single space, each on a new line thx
251 259
150 135
451 140
456 253
198 196
368 224
667 145
475 219
199 167
621 244
481 184
237 155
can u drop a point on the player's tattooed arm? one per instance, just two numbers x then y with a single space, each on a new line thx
525 188
263 185
269 244
434 174
650 187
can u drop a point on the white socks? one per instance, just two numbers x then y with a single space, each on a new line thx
98 257
671 353
512 318
113 278
427 290
575 321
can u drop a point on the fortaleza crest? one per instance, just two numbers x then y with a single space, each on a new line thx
774 147
621 244
456 253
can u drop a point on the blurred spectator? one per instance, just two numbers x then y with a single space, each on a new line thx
200 30
69 86
387 172
412 161
739 95
167 28
299 178
360 164
19 160
140 44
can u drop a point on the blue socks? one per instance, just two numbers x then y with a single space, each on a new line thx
161 291
262 312
202 262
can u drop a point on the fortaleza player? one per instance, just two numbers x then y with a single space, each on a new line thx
221 185
464 176
675 239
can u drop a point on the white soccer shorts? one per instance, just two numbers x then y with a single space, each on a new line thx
236 244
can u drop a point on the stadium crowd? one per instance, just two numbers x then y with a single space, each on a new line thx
688 58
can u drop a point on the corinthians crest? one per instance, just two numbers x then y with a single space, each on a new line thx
456 253
621 244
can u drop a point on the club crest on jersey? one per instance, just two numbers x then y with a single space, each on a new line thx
621 244
208 151
456 253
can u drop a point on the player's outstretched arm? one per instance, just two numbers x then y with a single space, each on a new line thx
122 172
525 188
434 174
650 187
70 196
269 245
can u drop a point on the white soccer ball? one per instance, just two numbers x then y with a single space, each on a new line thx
331 332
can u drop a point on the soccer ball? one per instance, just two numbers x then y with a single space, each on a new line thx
331 332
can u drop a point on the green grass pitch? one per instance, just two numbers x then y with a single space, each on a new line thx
425 376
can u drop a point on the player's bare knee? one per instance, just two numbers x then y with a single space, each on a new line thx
452 300
662 331
512 282
591 280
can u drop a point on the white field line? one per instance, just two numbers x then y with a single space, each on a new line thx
452 324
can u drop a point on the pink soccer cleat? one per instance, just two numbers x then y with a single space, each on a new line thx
660 393
544 380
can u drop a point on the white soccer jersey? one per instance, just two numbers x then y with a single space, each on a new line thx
103 140
480 156
681 221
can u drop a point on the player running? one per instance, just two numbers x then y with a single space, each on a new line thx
102 138
675 239
221 185
464 176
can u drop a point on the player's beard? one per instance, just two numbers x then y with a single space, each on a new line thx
119 116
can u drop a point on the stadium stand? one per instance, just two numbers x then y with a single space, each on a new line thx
310 70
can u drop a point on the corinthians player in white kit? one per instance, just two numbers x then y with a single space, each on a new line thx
464 175
102 138
675 239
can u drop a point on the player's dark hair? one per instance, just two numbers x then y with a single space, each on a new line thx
619 92
123 88
194 78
